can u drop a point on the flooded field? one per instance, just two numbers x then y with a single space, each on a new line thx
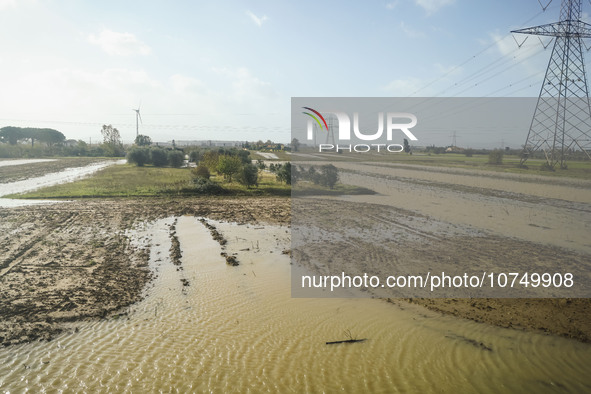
207 326
75 272
38 167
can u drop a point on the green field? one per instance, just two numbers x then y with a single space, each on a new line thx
123 180
127 180
130 181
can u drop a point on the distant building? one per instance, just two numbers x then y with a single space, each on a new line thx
215 143
454 149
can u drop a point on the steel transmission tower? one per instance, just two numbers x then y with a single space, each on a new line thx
561 123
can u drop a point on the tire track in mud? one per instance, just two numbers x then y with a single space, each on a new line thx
76 261
500 194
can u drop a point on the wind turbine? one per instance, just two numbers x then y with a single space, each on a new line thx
138 118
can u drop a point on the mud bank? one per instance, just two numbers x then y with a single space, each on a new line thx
67 262
74 261
459 217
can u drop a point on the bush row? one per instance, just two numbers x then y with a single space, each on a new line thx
158 157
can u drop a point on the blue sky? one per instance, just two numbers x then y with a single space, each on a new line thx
227 69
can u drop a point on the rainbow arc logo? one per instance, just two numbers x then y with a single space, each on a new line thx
315 118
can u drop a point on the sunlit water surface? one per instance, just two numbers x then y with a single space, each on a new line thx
237 329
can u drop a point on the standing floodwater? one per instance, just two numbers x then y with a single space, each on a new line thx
27 185
209 327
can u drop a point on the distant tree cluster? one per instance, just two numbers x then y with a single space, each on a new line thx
327 175
264 146
231 163
156 156
283 172
13 135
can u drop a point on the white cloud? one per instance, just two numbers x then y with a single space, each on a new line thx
411 32
246 86
119 44
4 4
403 87
257 20
63 93
432 6
184 84
393 4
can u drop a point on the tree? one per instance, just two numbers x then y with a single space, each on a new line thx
176 158
295 144
138 156
195 156
112 141
406 146
284 173
201 171
49 136
143 140
158 157
228 166
210 159
495 157
249 175
11 134
330 175
244 156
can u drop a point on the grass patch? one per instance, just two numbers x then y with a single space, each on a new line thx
268 186
127 180
120 181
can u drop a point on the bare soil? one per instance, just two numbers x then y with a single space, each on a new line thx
71 261
442 219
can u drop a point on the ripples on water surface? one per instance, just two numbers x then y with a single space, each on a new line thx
236 329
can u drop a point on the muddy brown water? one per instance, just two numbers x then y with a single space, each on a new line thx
237 329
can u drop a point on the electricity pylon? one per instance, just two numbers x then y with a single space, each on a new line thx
561 124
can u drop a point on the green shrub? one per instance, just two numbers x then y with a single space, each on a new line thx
138 156
159 157
249 175
176 158
207 187
228 166
195 156
495 157
201 171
